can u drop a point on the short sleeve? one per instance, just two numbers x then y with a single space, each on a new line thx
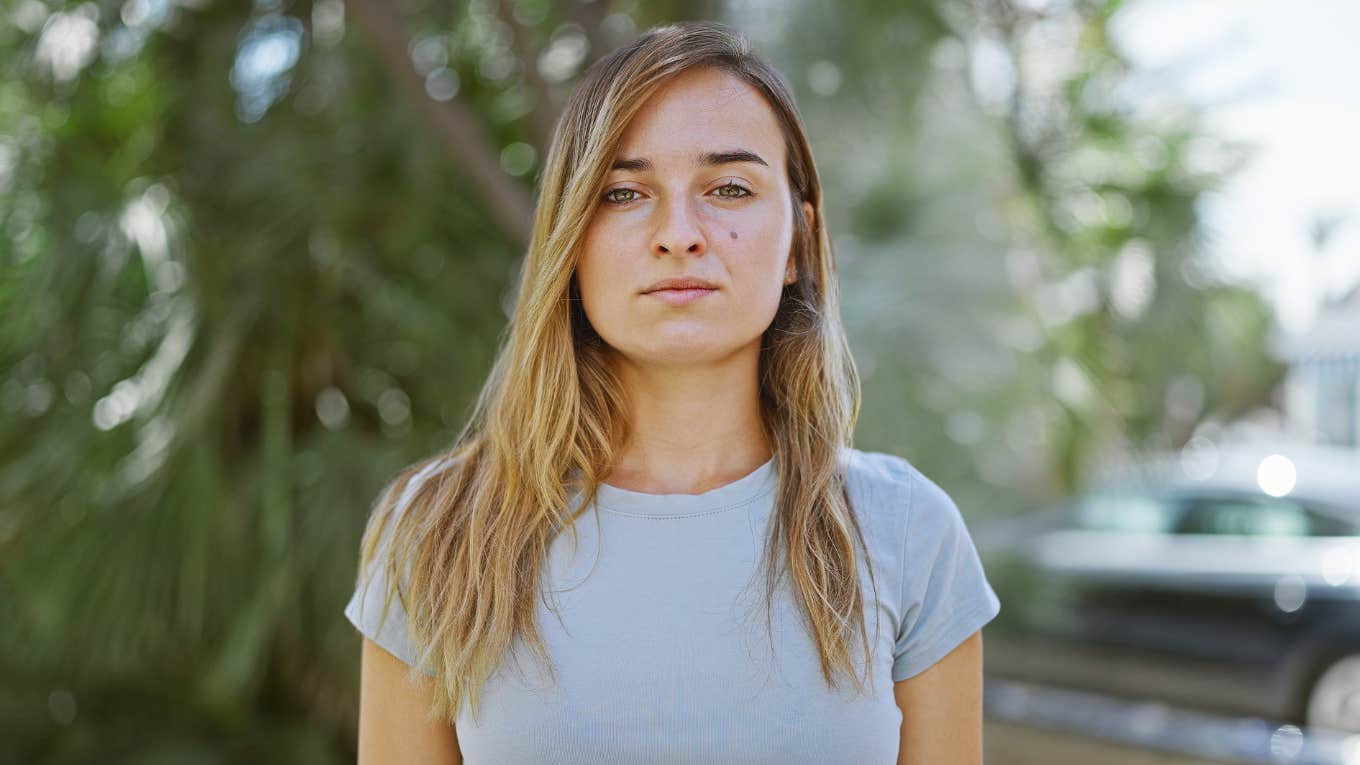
365 607
945 596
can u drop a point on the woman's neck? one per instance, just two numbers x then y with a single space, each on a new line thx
693 428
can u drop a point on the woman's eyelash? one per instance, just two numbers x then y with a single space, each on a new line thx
609 196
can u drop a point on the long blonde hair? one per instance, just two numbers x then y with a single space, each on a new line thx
552 415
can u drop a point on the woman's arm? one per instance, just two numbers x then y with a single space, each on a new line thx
942 709
393 724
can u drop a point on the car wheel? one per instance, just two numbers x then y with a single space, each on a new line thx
1334 701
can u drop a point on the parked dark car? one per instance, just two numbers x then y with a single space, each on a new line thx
1221 579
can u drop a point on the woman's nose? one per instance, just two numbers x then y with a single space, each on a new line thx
678 230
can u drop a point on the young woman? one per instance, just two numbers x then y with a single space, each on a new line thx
653 541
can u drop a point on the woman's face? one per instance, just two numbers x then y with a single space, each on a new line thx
698 190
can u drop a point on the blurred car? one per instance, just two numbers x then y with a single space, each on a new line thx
1221 579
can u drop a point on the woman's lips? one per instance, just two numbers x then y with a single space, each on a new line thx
682 296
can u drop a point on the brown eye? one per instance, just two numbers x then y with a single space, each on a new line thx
733 191
611 195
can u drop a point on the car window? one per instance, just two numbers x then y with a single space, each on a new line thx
1127 512
1257 517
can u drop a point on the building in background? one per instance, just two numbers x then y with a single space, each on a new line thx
1322 387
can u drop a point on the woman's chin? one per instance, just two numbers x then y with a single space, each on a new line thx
687 351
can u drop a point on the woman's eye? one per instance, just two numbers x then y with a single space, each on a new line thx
622 196
613 195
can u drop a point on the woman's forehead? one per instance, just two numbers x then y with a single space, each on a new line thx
699 112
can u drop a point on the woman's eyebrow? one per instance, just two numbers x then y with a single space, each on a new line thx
640 164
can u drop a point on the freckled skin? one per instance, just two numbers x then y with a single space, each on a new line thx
670 219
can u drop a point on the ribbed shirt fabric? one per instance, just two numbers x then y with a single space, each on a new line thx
662 653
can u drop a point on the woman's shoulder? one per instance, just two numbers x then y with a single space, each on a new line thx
879 477
423 469
888 489
411 478
393 505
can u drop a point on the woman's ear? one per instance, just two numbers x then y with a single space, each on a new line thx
791 270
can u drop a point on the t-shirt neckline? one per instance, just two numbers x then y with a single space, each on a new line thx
744 490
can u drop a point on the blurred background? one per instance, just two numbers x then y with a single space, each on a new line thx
1099 267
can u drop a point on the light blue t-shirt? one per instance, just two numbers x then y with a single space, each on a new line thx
662 652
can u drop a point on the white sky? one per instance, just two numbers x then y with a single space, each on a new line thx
1284 76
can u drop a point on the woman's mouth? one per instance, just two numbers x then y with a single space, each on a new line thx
680 296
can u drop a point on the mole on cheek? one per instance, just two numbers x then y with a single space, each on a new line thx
734 234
